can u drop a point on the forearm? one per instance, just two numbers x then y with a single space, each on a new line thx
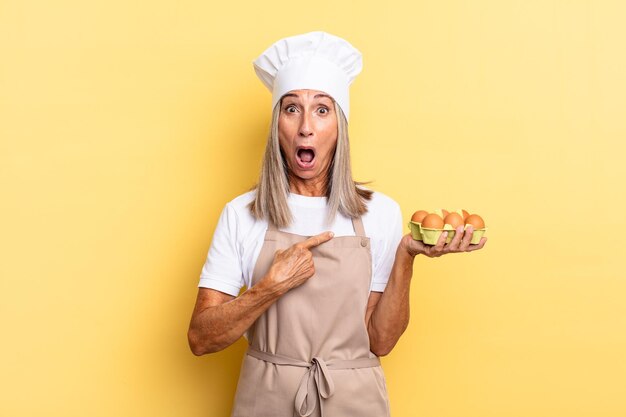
391 315
217 327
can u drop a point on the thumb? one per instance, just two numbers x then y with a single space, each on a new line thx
317 240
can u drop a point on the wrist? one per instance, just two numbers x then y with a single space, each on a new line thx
271 287
405 248
404 255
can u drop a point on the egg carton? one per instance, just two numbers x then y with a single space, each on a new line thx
431 236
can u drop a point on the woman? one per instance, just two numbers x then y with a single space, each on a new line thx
320 310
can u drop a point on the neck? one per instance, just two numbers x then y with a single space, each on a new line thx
314 187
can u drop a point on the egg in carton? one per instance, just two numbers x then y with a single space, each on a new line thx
430 236
415 225
477 234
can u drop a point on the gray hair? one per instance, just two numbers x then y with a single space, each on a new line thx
343 193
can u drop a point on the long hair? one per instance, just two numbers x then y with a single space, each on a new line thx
343 193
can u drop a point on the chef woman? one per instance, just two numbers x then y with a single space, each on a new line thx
325 266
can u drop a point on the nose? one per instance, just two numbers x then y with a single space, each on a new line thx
306 129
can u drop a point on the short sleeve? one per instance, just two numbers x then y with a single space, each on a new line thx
222 269
387 251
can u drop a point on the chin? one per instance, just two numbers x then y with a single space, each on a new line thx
305 175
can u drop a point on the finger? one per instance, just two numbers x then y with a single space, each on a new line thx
467 238
432 253
453 246
308 270
308 267
427 251
440 242
317 240
480 244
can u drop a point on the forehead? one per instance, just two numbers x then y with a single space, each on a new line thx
307 94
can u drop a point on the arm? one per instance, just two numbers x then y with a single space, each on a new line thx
387 314
219 319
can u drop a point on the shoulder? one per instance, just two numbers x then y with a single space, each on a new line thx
241 202
381 204
237 213
239 206
383 218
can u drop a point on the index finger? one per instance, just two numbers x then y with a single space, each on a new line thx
317 240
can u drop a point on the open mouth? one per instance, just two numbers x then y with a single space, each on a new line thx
305 157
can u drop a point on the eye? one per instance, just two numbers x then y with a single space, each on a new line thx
289 108
323 110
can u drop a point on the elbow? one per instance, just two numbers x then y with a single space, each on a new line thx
197 343
194 343
197 350
200 345
382 344
381 350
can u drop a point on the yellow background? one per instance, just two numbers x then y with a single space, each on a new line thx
126 126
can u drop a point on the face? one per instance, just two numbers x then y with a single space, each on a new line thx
307 132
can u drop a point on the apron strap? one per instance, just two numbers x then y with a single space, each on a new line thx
358 227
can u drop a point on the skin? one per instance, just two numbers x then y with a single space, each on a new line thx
307 118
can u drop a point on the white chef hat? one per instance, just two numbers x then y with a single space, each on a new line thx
315 61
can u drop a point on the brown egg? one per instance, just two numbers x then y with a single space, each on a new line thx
465 214
454 219
432 221
476 221
445 212
418 216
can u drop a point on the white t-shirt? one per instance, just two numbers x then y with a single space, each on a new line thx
239 236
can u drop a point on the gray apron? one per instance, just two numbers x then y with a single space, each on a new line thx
309 352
